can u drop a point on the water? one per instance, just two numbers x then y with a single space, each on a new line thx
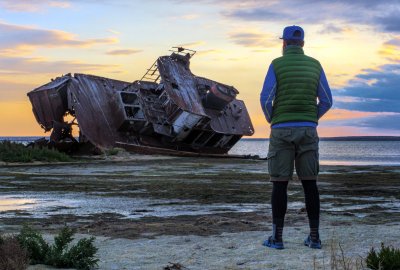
337 152
23 140
42 204
331 152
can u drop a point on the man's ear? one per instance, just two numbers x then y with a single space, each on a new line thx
302 43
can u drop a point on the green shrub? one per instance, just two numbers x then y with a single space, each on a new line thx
79 256
388 258
82 255
34 243
56 254
15 152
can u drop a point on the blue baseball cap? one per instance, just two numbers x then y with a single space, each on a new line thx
293 32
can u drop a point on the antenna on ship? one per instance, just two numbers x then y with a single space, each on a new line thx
153 75
183 51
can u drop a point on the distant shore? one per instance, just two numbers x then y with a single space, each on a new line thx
345 138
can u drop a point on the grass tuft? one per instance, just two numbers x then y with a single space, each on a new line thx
16 152
387 258
79 256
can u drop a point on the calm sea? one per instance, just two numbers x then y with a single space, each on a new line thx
337 152
331 152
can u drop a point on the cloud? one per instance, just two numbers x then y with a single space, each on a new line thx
252 38
123 52
112 31
190 16
343 114
349 99
24 38
207 52
331 28
192 44
28 66
32 5
391 49
371 13
390 22
376 122
372 91
391 122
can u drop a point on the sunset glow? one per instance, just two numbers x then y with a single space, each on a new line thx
235 40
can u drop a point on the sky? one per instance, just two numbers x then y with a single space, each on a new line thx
356 41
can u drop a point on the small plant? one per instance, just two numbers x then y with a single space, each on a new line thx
34 243
15 152
12 255
388 258
112 151
79 256
83 254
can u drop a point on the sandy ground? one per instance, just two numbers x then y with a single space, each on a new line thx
153 212
242 250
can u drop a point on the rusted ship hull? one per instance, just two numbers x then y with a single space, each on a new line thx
168 111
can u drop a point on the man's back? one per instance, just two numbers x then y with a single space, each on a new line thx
297 77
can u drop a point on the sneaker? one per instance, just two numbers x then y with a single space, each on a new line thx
271 243
311 244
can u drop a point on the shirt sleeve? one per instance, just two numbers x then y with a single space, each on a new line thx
268 93
324 95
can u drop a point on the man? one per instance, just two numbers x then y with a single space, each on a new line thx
294 96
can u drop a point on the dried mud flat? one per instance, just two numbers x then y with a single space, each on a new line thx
149 212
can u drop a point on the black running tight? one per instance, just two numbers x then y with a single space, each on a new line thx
279 202
311 195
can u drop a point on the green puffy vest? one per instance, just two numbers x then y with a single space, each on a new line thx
297 77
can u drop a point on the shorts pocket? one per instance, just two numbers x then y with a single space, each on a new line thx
271 154
271 163
312 133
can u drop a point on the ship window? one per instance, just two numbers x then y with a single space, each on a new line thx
216 138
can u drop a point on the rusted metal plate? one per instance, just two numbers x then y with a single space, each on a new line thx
233 120
180 85
94 101
49 102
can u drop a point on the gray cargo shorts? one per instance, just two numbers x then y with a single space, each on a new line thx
293 146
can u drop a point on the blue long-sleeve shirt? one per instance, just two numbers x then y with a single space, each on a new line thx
268 95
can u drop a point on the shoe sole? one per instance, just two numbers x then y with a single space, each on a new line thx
273 246
312 246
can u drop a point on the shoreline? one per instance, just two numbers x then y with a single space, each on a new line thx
125 157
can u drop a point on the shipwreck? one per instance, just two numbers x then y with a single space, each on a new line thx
168 111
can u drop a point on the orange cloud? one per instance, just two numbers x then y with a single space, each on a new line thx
391 49
252 38
32 5
192 44
22 65
342 114
123 52
24 39
206 52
